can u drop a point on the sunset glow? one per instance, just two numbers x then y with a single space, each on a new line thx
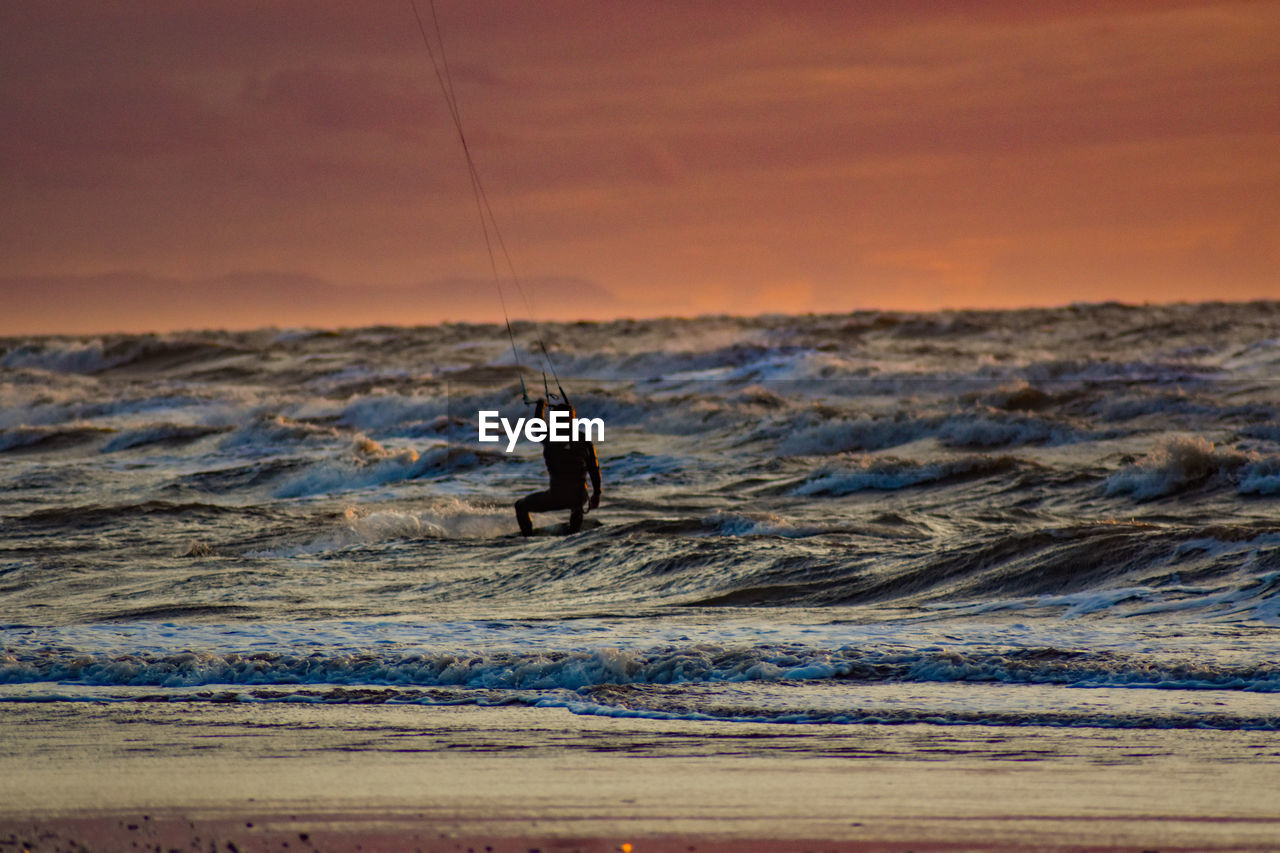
239 164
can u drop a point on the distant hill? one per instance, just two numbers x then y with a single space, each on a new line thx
137 302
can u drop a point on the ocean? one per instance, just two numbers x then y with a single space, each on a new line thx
845 528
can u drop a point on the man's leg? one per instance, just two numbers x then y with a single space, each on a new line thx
575 519
536 502
576 503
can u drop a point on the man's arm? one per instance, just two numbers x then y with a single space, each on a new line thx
593 471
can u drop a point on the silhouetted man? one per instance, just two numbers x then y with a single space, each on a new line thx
569 463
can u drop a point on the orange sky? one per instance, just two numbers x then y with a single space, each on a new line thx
243 163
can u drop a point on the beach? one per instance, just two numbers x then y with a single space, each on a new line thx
390 778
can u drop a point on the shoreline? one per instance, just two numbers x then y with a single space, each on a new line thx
250 830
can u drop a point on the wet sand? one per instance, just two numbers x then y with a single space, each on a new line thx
129 776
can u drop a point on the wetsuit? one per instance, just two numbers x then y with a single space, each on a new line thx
569 463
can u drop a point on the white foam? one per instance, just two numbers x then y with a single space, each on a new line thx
367 464
452 519
383 413
1175 464
85 356
842 434
759 524
1261 477
984 431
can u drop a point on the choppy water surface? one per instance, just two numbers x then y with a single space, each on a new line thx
1061 517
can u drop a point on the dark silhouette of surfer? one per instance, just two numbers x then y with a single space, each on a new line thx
569 464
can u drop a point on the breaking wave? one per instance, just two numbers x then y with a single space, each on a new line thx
1182 464
573 670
